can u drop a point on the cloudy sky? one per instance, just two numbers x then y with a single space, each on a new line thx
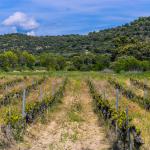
57 17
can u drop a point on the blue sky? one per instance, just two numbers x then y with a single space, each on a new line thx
59 17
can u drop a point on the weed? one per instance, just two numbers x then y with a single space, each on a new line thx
64 137
73 114
74 136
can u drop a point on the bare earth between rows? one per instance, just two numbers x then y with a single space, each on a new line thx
62 133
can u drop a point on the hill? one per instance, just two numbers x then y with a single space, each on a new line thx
129 39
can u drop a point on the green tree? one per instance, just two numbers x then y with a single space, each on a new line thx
27 59
48 60
8 60
102 61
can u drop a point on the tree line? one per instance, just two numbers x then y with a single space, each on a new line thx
23 60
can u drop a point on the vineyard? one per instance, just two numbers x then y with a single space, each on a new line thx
77 111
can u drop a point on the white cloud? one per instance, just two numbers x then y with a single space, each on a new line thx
31 33
21 22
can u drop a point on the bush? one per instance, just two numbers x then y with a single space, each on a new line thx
145 65
129 63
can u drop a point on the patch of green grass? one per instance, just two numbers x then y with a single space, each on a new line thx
51 146
64 136
77 107
79 75
74 113
42 119
74 117
74 136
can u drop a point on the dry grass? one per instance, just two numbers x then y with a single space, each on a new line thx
6 79
136 90
16 87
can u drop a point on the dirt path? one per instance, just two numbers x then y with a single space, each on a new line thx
72 126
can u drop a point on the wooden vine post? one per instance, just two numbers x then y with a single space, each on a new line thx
145 94
6 91
9 110
33 81
104 95
145 90
8 128
41 94
24 103
117 105
128 130
52 89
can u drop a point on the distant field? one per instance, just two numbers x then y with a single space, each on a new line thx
69 103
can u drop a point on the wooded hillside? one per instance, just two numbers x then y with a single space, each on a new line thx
130 40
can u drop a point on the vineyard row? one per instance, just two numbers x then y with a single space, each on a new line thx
144 102
18 123
139 84
8 98
116 118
